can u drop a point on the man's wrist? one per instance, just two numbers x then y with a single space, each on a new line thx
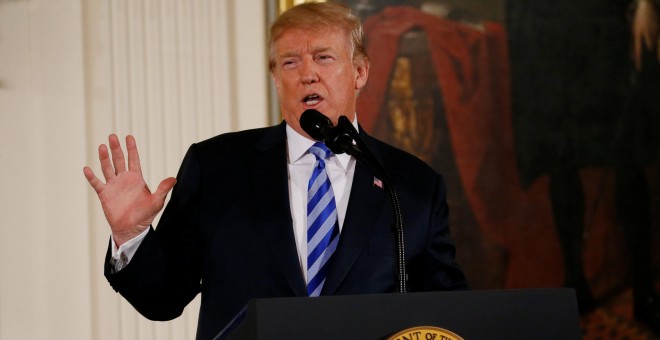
123 237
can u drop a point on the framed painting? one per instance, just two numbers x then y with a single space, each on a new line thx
542 127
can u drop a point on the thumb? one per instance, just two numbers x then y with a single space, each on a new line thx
164 188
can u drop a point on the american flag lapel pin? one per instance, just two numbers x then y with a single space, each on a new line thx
378 182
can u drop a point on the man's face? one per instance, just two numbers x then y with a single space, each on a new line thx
315 70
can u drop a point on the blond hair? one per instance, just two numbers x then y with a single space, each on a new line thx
319 15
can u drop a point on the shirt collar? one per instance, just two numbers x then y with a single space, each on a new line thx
298 145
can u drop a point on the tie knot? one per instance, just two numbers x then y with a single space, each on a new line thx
320 151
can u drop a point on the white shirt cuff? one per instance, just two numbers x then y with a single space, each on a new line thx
122 255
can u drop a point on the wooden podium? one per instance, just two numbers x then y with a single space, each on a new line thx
488 314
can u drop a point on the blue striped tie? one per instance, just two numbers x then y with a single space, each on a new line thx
322 224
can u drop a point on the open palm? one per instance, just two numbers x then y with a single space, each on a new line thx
128 204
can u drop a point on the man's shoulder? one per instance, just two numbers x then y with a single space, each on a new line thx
394 158
243 140
237 136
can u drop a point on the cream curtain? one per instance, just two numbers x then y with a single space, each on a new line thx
170 72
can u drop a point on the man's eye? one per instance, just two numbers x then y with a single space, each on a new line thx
288 64
324 58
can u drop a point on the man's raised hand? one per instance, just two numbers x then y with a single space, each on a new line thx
128 204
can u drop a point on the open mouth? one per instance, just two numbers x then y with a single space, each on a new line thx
312 99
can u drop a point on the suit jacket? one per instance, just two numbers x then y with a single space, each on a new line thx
227 232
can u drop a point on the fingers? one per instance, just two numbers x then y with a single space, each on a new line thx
106 166
133 155
117 154
164 187
96 184
117 165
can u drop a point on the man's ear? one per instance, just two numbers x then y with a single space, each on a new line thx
362 73
276 80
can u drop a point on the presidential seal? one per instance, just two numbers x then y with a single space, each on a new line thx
425 333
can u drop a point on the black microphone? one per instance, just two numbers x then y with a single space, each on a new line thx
320 127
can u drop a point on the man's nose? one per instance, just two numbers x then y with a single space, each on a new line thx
308 72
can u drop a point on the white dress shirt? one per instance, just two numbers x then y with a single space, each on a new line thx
340 168
300 164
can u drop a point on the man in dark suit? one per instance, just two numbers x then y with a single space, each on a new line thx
235 227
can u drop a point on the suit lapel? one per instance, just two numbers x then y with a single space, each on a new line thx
271 192
269 178
364 209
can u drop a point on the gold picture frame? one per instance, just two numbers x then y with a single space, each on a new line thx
283 5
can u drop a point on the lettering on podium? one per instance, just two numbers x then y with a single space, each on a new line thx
425 333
